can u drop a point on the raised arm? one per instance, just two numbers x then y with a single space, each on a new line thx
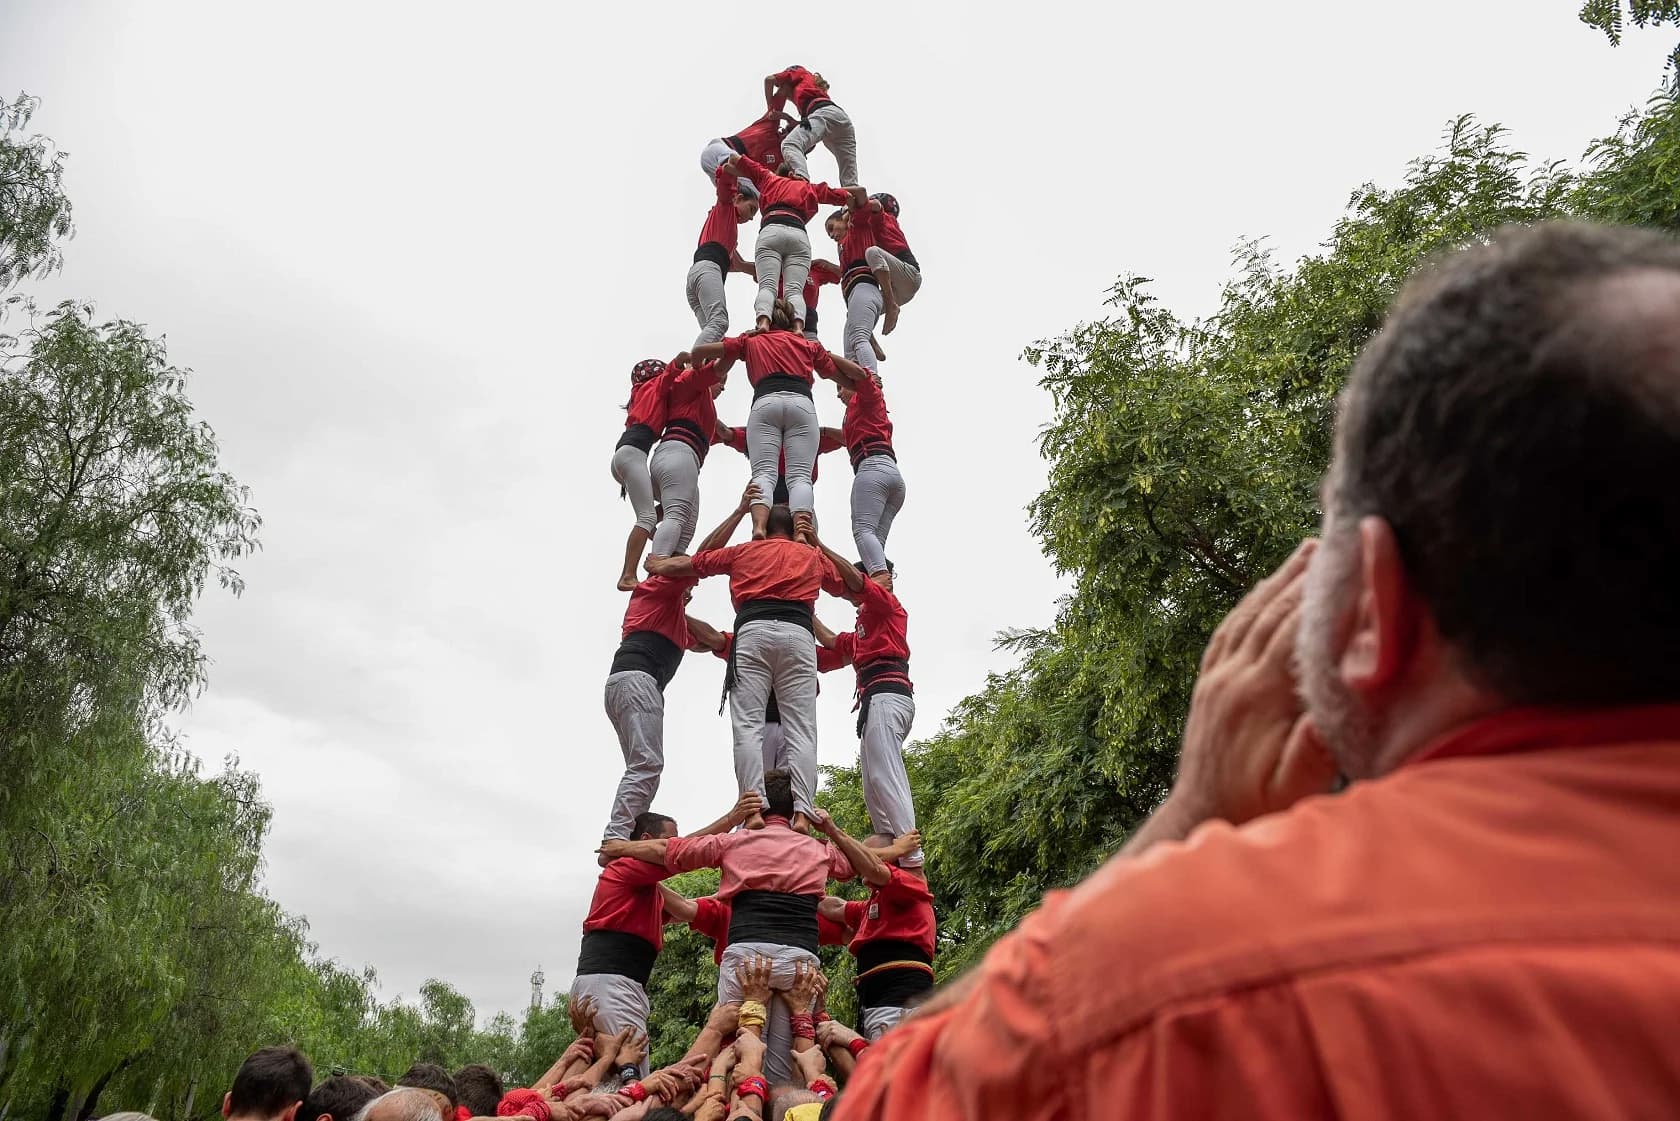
845 569
678 907
825 637
720 536
864 861
709 352
745 806
651 850
706 636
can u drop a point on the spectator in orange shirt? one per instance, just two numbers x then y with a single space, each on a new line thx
1487 922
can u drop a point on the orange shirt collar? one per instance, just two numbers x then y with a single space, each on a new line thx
1536 729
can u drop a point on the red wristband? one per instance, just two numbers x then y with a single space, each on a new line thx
754 1087
802 1026
635 1091
857 1046
822 1087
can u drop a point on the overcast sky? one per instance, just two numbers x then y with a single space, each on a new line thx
411 252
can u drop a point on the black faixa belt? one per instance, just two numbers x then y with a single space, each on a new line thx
864 451
638 436
759 610
618 954
736 143
781 383
714 252
687 432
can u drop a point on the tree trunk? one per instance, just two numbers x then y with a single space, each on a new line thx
151 1106
99 1088
192 1091
60 1098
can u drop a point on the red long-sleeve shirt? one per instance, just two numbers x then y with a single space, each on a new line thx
882 629
779 193
827 660
806 92
721 225
864 231
774 568
900 910
890 236
691 402
660 604
775 858
626 900
779 352
647 402
866 426
762 139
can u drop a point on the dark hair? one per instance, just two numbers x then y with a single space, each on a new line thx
780 522
269 1082
375 1083
778 793
781 315
339 1097
430 1076
665 1113
828 1108
650 824
480 1089
1517 423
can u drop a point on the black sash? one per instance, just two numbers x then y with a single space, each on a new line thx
714 252
781 383
775 917
883 675
638 436
864 451
891 988
617 953
651 653
689 433
736 143
783 214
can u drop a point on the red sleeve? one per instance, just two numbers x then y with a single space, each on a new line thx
787 75
839 865
856 910
878 596
735 348
685 854
825 193
725 186
711 918
831 582
845 645
695 380
728 645
821 362
827 443
713 562
755 171
830 660
831 933
632 872
738 439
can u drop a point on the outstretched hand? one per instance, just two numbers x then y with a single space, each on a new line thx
812 1064
582 1012
748 498
802 994
614 849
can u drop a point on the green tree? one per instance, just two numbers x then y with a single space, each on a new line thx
34 211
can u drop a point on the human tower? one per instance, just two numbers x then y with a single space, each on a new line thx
774 857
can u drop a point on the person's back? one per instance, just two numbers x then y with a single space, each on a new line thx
1487 921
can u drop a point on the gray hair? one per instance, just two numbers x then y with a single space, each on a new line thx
405 1103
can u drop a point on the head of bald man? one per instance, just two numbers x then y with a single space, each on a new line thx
1502 515
405 1103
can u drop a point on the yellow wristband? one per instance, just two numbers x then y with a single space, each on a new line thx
753 1014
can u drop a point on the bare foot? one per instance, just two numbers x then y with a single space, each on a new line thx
603 859
760 534
756 821
889 319
627 583
875 345
801 822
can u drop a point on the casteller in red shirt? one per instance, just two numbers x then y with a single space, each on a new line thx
894 944
808 92
779 352
785 200
866 429
623 932
761 140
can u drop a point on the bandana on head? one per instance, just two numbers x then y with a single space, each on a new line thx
645 370
888 203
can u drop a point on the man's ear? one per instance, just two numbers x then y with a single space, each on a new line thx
290 1112
227 1104
1387 611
